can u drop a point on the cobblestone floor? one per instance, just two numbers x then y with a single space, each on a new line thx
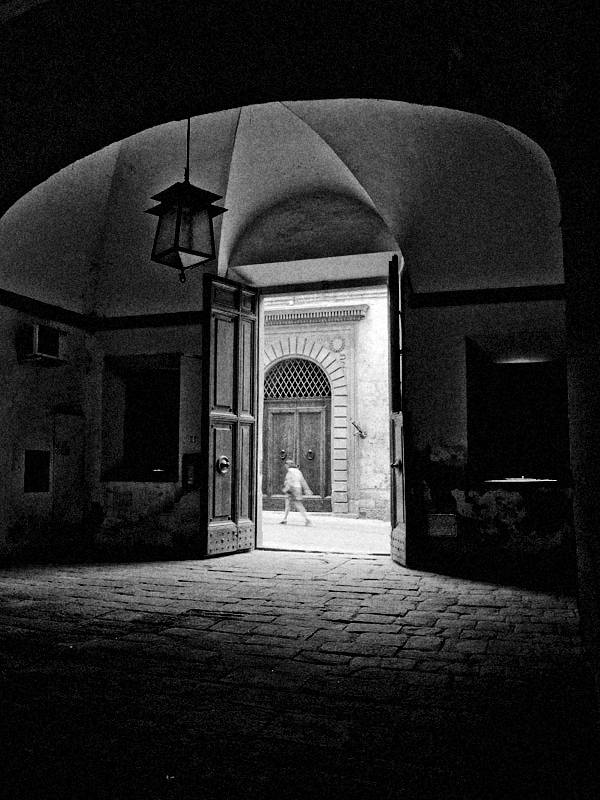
276 674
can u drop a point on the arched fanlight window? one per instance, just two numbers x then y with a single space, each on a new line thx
296 377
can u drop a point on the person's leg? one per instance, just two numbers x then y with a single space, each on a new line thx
287 510
303 514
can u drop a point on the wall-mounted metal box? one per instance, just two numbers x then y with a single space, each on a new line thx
41 344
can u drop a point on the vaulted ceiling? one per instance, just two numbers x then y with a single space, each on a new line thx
106 80
315 191
77 76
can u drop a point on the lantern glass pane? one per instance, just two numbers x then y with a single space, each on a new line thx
171 259
187 260
195 233
165 233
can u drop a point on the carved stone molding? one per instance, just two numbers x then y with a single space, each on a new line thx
312 316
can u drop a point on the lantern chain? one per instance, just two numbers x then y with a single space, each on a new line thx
186 176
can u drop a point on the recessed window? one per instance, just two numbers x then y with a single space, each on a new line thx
37 471
141 419
48 341
517 418
151 444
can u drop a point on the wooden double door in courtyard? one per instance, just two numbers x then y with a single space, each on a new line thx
296 419
297 428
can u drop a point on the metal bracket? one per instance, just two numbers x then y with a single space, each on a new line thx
361 433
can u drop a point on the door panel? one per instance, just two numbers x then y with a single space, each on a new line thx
246 470
228 437
222 488
398 541
280 443
223 356
311 435
397 482
247 366
313 452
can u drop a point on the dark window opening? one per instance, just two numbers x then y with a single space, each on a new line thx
517 419
48 341
141 419
530 437
37 471
151 436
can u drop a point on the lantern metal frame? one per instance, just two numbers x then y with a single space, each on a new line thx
184 199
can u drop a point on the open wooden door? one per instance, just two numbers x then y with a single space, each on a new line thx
229 403
398 506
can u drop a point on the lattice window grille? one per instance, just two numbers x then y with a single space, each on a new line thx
296 377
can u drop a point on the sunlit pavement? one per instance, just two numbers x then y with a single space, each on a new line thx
284 675
327 534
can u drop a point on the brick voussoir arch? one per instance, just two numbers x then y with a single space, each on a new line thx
307 347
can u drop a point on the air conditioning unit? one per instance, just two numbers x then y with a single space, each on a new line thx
42 344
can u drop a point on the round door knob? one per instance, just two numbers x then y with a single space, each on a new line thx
223 465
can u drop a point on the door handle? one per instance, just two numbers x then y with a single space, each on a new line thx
223 464
282 454
397 464
310 455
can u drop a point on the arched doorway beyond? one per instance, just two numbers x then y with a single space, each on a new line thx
297 425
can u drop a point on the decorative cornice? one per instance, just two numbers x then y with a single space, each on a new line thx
312 316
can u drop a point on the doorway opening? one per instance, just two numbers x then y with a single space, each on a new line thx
326 408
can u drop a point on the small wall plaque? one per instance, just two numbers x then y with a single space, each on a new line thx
442 525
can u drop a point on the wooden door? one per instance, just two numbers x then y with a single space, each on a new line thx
397 482
313 451
279 430
297 428
228 435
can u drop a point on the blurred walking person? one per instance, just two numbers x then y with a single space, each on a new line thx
294 488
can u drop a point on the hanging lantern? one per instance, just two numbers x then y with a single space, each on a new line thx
184 235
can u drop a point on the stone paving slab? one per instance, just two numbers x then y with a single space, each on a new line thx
300 674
